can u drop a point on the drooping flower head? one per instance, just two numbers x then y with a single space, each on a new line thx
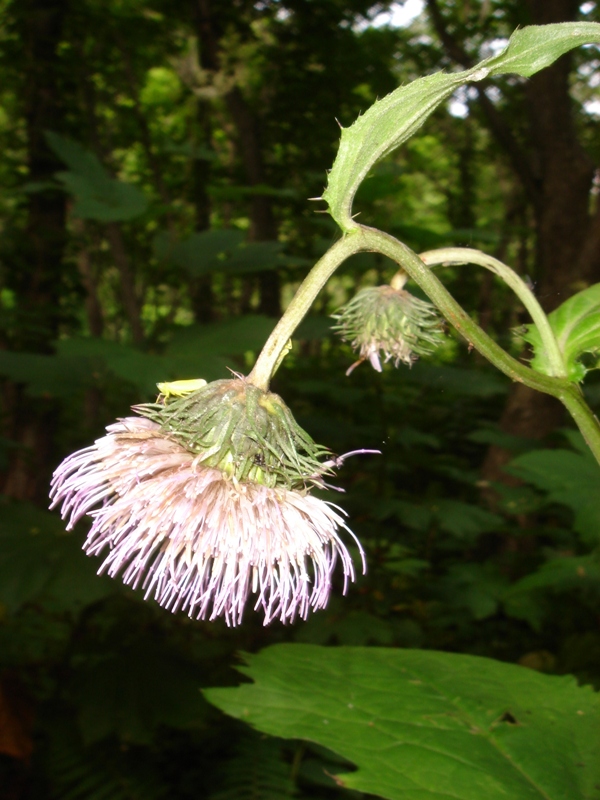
390 321
204 500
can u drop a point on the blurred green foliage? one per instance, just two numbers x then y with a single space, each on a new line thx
144 187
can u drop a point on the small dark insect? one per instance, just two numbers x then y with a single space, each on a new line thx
259 460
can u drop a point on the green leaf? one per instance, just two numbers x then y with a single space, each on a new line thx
45 375
143 370
476 587
535 47
422 725
195 351
442 378
394 119
572 479
97 195
39 561
79 160
116 201
253 257
576 325
562 574
352 628
205 351
464 520
201 252
219 251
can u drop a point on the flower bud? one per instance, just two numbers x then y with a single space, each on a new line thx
389 321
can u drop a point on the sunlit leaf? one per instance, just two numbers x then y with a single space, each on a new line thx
394 119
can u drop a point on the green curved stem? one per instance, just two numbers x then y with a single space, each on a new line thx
270 356
587 422
364 239
568 393
465 255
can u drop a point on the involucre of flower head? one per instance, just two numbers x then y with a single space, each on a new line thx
390 321
167 501
242 430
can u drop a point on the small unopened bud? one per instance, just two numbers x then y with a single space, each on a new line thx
388 321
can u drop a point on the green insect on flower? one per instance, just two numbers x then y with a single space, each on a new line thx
180 388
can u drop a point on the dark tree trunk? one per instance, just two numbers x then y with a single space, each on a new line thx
201 289
37 276
263 226
132 304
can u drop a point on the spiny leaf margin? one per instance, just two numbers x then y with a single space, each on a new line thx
394 119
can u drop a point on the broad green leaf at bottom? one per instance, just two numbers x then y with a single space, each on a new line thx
423 725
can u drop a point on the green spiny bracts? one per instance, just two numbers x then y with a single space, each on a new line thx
390 320
242 430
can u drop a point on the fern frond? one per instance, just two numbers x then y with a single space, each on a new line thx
257 771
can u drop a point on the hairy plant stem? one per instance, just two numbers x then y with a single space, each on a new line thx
269 358
465 255
364 239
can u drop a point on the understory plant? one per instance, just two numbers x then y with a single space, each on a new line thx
205 499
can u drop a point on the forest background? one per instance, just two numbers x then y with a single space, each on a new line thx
156 163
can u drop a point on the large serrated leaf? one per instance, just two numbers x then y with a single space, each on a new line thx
423 725
576 325
391 121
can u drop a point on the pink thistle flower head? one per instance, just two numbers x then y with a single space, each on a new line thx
388 321
204 500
